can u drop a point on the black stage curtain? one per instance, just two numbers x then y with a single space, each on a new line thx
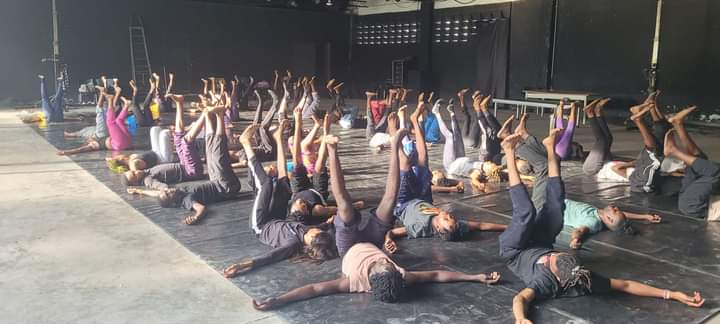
604 46
529 46
689 60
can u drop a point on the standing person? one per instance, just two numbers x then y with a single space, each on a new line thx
286 237
527 245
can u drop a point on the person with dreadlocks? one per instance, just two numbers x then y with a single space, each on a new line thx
286 237
527 245
414 205
365 267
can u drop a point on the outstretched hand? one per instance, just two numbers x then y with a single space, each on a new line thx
238 268
491 278
264 305
390 245
654 218
695 301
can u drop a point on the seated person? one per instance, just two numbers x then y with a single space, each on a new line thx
190 166
286 237
586 219
223 184
365 267
527 245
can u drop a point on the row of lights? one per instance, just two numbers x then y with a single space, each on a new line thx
387 34
446 30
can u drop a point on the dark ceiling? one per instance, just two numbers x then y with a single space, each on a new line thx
306 5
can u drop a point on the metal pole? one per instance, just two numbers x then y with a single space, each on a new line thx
56 43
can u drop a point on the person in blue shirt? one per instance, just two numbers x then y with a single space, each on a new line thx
586 219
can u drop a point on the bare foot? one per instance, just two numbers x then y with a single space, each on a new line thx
61 153
392 123
679 118
550 140
359 204
485 103
521 128
370 94
600 106
329 84
669 148
590 108
247 134
511 142
639 111
505 129
332 140
125 101
476 94
462 92
338 86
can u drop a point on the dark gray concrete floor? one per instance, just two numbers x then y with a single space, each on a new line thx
680 253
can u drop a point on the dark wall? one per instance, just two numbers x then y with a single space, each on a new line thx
480 63
529 46
689 59
191 39
604 46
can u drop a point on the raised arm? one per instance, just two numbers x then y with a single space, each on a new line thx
337 286
521 301
640 289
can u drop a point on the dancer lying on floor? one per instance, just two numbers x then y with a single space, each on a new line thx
308 145
365 267
223 184
190 166
586 219
308 204
263 147
702 177
454 160
286 237
95 136
527 245
119 138
53 109
414 203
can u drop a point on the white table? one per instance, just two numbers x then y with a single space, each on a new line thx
585 97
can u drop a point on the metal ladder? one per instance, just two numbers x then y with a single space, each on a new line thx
139 57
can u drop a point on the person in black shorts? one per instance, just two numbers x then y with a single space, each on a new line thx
223 184
647 164
286 237
527 245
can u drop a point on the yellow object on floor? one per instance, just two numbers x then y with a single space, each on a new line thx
155 110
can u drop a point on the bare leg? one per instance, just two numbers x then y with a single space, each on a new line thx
637 113
678 122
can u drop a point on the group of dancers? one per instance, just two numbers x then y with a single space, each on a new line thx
294 213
